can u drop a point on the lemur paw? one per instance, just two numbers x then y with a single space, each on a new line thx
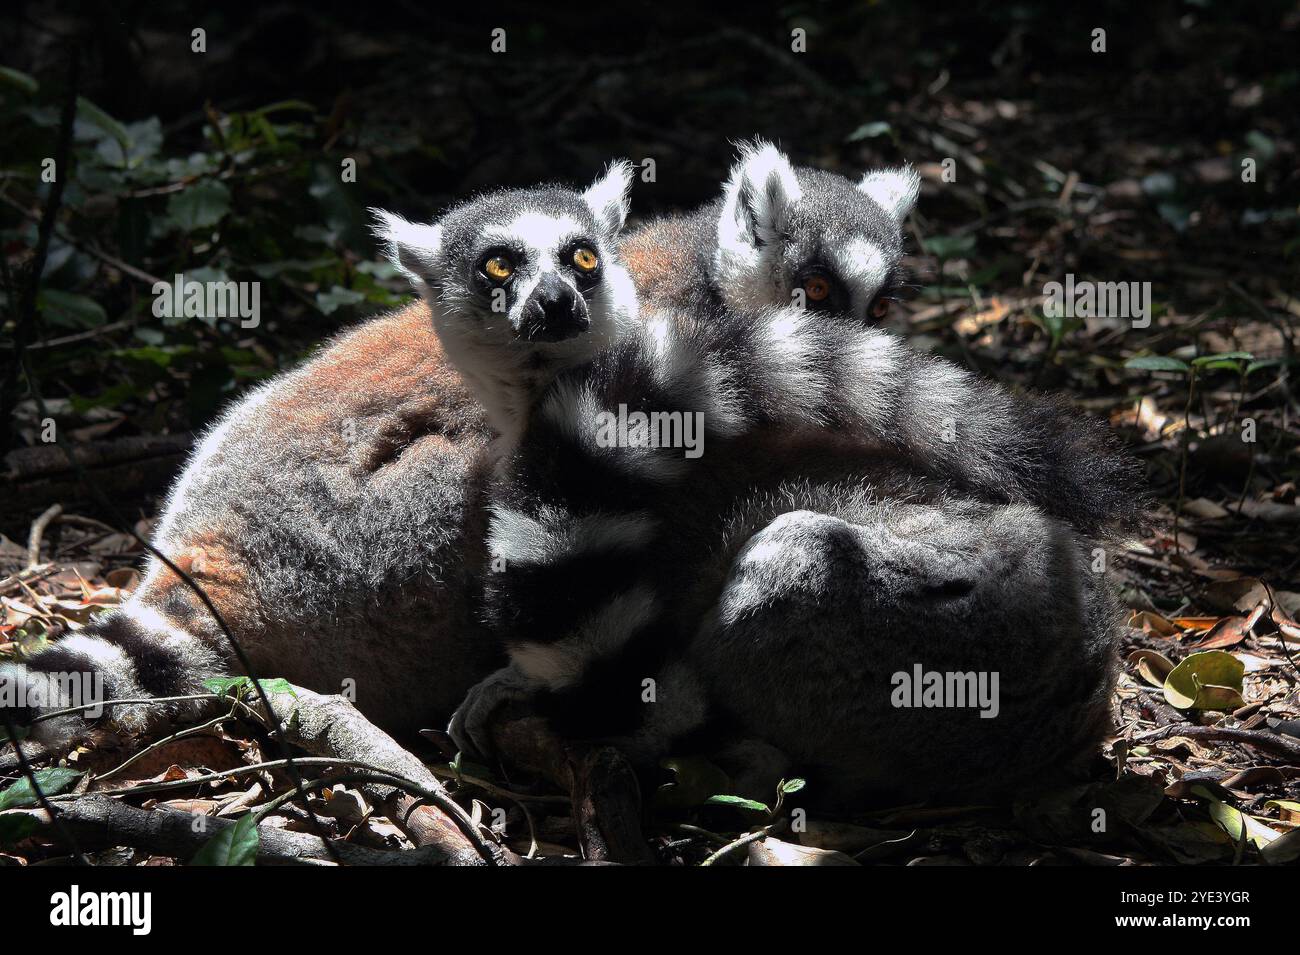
470 727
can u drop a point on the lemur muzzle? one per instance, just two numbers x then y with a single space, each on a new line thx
555 311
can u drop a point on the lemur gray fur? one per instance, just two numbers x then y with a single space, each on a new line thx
334 514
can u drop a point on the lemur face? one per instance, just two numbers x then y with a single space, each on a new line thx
523 269
809 237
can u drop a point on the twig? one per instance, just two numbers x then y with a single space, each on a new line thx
1182 466
740 843
189 731
1268 742
73 710
494 789
93 250
216 775
38 531
26 576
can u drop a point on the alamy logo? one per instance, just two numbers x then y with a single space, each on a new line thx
658 429
936 689
189 298
36 690
103 908
1131 300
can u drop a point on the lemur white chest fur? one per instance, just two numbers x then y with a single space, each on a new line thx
521 284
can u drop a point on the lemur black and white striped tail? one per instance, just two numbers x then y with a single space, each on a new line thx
599 544
798 371
133 653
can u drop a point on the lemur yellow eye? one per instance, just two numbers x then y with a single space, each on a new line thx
816 288
585 259
498 267
880 308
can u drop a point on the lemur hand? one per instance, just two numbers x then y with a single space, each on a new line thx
471 724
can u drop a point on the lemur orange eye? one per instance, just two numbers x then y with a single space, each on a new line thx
498 267
585 259
880 308
816 288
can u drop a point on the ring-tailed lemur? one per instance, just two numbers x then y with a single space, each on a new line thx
779 235
624 561
334 514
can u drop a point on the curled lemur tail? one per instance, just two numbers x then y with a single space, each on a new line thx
601 544
157 644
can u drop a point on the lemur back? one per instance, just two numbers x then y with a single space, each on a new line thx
334 514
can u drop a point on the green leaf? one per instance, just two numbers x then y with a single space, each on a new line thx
791 786
1224 356
1157 363
88 112
1261 145
1159 184
70 309
950 246
1222 365
1210 680
52 782
738 801
233 845
869 131
144 140
329 302
1255 366
19 79
1234 820
241 687
200 205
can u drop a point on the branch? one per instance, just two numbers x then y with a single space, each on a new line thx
38 531
331 726
101 821
1268 742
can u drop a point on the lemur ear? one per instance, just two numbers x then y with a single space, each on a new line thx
410 246
894 190
760 192
607 196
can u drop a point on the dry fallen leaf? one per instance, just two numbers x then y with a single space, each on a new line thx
771 851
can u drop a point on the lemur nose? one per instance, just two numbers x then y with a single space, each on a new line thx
554 311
